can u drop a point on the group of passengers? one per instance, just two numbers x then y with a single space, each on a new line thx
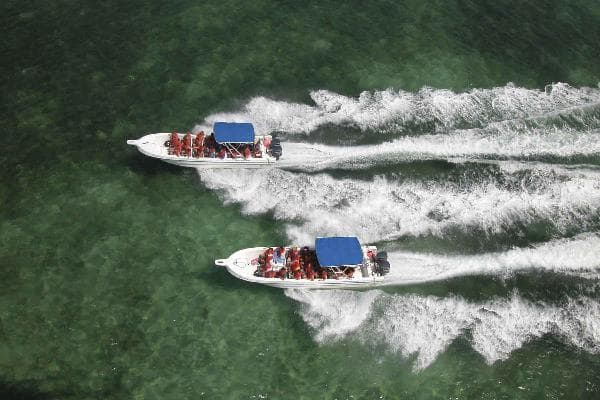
206 146
295 263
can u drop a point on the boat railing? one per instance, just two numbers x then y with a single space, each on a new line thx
233 150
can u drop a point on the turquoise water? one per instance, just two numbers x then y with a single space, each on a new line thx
465 141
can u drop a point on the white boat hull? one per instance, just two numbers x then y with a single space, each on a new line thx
153 146
240 265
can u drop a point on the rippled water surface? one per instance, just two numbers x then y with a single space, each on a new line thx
463 138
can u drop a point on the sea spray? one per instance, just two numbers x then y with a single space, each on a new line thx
397 110
515 130
383 209
424 326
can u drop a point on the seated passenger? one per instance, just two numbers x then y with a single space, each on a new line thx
209 141
247 153
211 152
260 263
199 145
267 264
279 256
295 268
175 144
174 138
198 151
291 254
371 255
310 273
267 143
222 154
282 273
349 272
302 255
187 144
257 152
266 269
323 273
303 251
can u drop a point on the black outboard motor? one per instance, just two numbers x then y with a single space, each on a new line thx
382 264
276 150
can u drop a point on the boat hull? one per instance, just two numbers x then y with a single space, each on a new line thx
239 264
153 146
216 163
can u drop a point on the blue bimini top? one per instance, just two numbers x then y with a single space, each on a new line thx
336 251
233 132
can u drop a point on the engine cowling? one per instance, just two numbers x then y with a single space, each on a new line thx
382 264
276 149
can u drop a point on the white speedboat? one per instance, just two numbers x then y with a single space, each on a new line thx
333 263
231 145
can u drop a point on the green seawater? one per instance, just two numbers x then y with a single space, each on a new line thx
107 283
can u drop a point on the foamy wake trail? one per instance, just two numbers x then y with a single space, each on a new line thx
424 326
319 205
469 144
579 256
391 110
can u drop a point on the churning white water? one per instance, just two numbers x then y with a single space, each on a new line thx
424 326
386 110
579 256
383 209
502 138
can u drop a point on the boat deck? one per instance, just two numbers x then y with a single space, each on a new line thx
156 145
245 265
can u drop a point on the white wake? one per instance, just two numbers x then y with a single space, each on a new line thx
467 144
579 256
319 205
497 126
395 110
424 326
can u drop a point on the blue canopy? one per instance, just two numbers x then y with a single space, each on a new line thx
233 132
335 251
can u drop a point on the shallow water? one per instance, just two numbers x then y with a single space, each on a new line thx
462 138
